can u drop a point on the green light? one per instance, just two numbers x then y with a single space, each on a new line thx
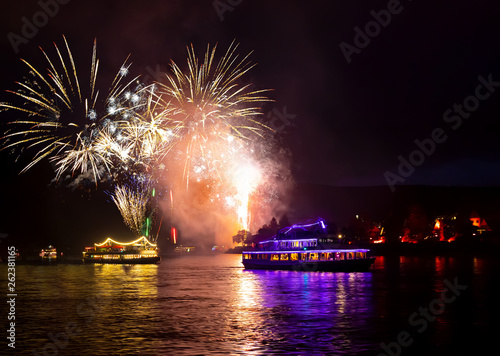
153 193
146 227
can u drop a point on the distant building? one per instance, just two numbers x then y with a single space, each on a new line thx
479 223
445 228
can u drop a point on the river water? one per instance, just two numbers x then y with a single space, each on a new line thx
210 305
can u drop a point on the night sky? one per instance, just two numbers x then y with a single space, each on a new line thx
352 116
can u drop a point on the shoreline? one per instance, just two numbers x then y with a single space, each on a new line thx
452 249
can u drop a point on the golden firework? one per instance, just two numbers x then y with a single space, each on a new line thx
59 119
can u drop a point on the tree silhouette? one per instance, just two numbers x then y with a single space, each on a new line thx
244 237
284 222
273 225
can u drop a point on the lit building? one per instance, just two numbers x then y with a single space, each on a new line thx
479 222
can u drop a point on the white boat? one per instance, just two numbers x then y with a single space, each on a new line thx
306 247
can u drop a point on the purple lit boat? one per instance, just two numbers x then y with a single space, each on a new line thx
306 247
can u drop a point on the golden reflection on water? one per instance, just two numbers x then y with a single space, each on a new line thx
118 294
246 311
137 280
247 295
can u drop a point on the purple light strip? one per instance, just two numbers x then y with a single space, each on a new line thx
306 251
296 226
299 240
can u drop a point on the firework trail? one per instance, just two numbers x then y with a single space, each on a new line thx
132 204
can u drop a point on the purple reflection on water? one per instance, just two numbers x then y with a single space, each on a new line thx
210 305
315 312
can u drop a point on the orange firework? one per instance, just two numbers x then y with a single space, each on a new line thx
211 109
214 117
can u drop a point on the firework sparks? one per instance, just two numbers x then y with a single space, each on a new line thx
132 204
196 127
210 107
150 134
215 118
62 120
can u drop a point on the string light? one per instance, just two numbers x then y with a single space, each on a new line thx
143 239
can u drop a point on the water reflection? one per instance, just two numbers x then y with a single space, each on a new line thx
302 311
211 305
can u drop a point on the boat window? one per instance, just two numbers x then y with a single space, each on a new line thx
294 256
313 256
264 256
284 257
275 257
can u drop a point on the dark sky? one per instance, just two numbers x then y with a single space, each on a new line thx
351 120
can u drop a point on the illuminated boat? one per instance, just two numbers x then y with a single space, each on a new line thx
111 251
184 250
306 247
48 254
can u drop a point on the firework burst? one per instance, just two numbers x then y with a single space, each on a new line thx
60 119
215 118
212 109
196 127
